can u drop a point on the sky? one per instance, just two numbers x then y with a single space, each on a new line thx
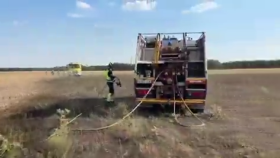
55 32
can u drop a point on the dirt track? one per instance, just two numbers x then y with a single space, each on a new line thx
245 123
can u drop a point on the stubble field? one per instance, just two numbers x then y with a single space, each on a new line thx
244 120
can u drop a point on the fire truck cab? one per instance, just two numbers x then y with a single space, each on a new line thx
168 59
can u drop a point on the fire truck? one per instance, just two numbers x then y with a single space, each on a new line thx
74 69
171 68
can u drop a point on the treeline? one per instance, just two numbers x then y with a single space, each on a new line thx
212 64
117 66
216 64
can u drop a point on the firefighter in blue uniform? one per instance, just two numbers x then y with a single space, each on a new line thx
111 79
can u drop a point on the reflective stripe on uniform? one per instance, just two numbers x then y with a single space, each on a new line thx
108 78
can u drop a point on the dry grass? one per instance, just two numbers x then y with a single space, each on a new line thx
244 122
245 71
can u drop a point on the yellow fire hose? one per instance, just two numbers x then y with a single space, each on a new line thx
139 104
135 108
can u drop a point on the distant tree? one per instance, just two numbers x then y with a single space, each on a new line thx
214 64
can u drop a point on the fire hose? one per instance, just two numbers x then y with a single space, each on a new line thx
184 103
126 116
139 104
135 108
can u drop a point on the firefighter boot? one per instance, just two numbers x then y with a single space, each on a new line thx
112 98
109 97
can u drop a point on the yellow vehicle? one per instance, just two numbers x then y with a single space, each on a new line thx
75 69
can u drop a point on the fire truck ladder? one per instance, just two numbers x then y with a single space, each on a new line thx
157 50
186 53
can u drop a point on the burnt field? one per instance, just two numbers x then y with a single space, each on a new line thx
244 120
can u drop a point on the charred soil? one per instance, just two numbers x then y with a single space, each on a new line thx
245 120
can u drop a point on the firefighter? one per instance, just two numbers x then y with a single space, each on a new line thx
111 79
